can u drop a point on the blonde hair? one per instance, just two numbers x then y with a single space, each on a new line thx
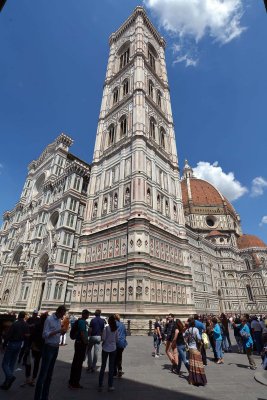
117 317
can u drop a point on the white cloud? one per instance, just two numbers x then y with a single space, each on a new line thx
258 186
225 182
192 20
263 220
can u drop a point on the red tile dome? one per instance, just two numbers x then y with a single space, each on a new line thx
247 241
203 194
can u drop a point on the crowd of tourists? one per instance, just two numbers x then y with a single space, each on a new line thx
186 343
34 342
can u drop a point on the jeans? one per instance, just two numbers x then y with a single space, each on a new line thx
10 358
182 357
49 357
219 349
112 358
258 341
118 361
157 343
77 363
239 343
94 341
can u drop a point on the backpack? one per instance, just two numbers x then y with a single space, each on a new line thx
74 330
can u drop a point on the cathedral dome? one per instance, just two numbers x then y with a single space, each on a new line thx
202 194
205 208
247 241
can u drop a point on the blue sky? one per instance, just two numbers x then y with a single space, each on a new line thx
53 63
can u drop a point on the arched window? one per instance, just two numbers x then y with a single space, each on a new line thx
249 293
123 125
5 296
125 87
247 263
58 290
111 134
152 128
152 54
115 95
115 201
124 58
150 88
159 95
162 138
48 290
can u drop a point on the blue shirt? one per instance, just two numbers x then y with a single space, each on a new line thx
217 332
199 326
245 334
97 325
121 342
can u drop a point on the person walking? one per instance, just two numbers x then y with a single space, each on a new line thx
218 340
37 346
197 374
201 328
80 345
227 345
238 338
247 341
179 342
157 336
256 330
96 328
171 350
65 325
209 330
51 334
17 335
120 346
110 338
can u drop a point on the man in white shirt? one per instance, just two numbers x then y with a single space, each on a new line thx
51 334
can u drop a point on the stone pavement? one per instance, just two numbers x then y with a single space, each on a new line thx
149 378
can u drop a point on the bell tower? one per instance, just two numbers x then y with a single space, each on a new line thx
132 256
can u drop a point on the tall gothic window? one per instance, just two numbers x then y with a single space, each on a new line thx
150 88
249 292
124 58
152 125
162 139
58 290
247 263
159 95
151 59
123 126
111 134
115 95
125 86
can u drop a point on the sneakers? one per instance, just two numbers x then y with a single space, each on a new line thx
156 356
75 386
7 384
253 368
111 389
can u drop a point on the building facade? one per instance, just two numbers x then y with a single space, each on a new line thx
127 233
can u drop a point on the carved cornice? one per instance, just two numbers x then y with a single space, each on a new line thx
78 168
139 11
66 140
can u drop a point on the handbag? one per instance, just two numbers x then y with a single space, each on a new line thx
205 340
